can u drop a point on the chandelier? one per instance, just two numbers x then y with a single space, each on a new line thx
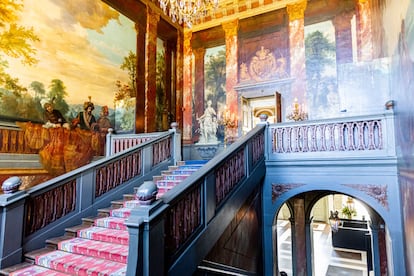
187 11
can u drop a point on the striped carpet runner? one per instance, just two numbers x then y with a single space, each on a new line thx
101 249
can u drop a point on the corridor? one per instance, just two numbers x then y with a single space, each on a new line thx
327 260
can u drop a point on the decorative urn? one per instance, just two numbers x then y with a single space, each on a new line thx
11 185
147 193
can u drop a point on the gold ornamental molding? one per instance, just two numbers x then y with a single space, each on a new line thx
231 28
279 189
378 192
153 16
297 10
187 39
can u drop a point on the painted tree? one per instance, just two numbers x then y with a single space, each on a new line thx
130 65
320 53
160 88
57 95
215 77
124 99
15 42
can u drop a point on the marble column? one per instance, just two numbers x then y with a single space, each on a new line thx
179 109
187 89
151 67
199 83
378 247
299 260
140 28
364 30
231 31
296 28
343 37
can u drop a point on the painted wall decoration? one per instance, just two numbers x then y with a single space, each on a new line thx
215 82
64 52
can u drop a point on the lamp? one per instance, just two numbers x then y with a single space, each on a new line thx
297 112
334 221
229 121
187 11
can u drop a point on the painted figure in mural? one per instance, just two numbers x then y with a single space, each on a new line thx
85 119
103 123
52 117
208 125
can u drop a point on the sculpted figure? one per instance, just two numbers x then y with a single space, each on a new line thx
208 125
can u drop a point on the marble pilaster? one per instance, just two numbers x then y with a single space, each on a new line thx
231 31
150 72
296 29
140 28
187 88
364 30
343 37
179 80
199 81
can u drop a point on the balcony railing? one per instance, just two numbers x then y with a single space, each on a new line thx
368 136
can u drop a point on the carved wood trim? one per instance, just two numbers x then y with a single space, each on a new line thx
378 192
279 189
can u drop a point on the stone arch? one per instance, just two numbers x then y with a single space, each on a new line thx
374 205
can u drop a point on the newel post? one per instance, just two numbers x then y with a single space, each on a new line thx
108 142
146 240
11 225
176 142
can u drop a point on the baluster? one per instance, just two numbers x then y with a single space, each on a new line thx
323 138
380 137
360 128
313 130
371 144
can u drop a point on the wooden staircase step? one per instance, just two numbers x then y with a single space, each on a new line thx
53 242
129 196
6 271
31 256
73 231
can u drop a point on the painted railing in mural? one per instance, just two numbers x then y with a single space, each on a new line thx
45 210
179 229
13 140
346 137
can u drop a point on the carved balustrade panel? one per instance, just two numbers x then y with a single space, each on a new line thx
121 144
343 136
257 147
229 174
43 209
161 151
118 172
183 219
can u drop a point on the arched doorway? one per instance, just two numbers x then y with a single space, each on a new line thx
302 225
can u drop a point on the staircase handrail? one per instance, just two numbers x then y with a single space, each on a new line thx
180 228
118 142
45 210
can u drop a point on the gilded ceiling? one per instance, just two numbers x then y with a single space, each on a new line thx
232 9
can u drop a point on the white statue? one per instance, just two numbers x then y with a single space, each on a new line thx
208 125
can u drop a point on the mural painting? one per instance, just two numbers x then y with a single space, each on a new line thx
67 75
66 52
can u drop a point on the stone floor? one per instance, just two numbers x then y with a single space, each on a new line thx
328 261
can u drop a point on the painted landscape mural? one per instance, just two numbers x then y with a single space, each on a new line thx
66 53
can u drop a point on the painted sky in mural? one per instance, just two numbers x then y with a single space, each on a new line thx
82 43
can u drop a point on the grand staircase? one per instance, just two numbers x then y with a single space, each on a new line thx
99 246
